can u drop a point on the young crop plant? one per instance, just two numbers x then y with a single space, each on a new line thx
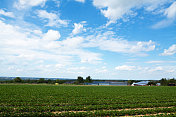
52 100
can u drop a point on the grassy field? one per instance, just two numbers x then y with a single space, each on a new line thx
51 100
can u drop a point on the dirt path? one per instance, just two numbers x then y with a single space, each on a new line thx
111 110
148 115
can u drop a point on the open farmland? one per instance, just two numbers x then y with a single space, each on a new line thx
51 100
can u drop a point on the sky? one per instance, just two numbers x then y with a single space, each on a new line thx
104 39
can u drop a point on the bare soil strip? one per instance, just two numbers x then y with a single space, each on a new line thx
58 112
148 115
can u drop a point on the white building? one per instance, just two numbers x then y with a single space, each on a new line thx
141 83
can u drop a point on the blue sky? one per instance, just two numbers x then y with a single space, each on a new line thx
106 39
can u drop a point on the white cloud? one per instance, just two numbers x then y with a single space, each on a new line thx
146 70
170 51
78 28
120 9
53 19
59 65
57 3
160 62
73 42
80 1
159 68
162 24
22 4
37 32
77 68
89 57
170 14
107 41
101 70
19 46
125 68
51 35
8 14
171 11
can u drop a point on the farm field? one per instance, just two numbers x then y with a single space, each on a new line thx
51 100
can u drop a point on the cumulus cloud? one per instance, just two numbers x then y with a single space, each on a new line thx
108 41
51 35
22 4
21 47
125 68
8 14
124 46
53 19
120 9
78 28
74 42
170 51
80 1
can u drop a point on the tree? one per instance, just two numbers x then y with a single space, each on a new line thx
57 80
28 81
49 81
172 80
60 81
151 83
88 79
18 80
164 82
41 80
80 79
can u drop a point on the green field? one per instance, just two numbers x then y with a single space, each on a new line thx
51 100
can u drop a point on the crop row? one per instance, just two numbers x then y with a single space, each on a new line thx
95 113
44 99
77 108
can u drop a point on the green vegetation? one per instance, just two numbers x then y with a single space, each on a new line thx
88 79
166 82
34 81
51 100
80 80
17 80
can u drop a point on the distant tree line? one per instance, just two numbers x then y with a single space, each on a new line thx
168 82
32 81
79 80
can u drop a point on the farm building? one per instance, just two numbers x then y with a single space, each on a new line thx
119 83
158 84
141 83
107 83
